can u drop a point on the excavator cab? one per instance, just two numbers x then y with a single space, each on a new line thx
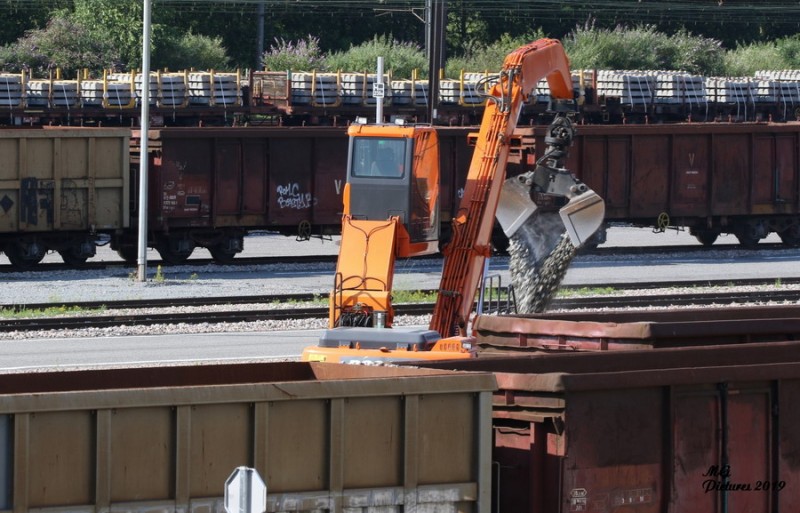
391 211
393 172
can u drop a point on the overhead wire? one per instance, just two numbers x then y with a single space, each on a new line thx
678 8
643 11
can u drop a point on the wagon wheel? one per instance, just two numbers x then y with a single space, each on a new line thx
175 251
304 231
72 257
748 240
750 234
791 236
221 254
706 237
24 253
129 253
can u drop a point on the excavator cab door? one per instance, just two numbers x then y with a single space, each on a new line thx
380 169
394 173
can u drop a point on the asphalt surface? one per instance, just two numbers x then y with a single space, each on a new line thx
31 354
210 280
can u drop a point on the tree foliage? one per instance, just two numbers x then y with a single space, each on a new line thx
64 44
400 59
488 57
43 34
107 34
117 23
643 48
191 51
303 54
746 59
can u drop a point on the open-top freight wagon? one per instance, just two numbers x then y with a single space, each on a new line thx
694 425
323 437
68 189
60 190
210 186
713 178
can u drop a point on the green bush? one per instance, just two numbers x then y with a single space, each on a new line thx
301 55
745 60
619 48
399 59
489 57
789 50
191 51
65 44
643 48
697 54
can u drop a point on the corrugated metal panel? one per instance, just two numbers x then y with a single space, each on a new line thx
63 179
322 436
663 430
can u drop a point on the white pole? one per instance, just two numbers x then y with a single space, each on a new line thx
144 159
379 85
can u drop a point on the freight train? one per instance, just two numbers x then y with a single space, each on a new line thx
202 98
68 189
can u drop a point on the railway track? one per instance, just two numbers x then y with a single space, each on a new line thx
201 317
45 267
295 306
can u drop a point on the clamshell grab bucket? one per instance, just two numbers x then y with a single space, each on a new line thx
582 216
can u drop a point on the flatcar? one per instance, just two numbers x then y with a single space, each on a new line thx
302 98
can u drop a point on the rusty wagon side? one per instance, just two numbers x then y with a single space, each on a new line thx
208 187
678 430
713 178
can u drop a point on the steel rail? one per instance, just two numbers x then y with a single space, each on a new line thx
323 294
222 317
238 316
301 259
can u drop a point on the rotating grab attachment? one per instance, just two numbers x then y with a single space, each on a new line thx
584 212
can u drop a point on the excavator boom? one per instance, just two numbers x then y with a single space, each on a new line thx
472 225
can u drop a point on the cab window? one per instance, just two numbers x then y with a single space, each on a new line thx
378 157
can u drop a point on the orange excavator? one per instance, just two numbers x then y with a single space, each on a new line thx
391 211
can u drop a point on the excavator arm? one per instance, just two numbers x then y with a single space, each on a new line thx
472 225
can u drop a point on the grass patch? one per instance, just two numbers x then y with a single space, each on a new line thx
588 291
413 296
429 296
53 311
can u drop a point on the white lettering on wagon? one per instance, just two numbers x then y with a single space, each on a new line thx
290 196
